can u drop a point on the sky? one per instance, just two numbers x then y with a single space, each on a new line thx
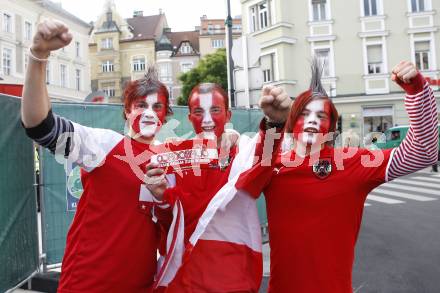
181 14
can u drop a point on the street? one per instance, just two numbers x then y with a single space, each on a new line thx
398 249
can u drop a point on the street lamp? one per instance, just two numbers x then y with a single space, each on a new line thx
230 62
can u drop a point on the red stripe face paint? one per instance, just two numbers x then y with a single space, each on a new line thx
147 114
208 114
314 119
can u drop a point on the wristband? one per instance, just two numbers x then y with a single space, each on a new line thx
35 58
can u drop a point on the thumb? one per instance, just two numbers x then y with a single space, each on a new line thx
66 37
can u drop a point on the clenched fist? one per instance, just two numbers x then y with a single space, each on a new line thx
275 104
403 72
51 35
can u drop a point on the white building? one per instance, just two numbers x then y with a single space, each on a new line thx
68 70
358 40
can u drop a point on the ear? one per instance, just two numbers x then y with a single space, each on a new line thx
228 115
189 117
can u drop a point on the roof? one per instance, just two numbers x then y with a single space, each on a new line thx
145 27
177 38
56 8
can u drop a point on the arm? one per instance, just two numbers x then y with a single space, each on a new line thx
35 104
275 104
420 147
81 145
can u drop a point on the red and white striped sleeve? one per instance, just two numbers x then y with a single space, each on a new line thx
419 149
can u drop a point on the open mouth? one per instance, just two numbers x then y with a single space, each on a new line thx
148 122
208 128
311 130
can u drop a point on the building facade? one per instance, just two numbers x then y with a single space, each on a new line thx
68 69
213 34
122 49
358 43
177 53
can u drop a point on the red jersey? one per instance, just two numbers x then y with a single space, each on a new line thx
223 248
112 243
314 222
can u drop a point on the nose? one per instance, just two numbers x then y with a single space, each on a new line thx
312 119
207 119
149 114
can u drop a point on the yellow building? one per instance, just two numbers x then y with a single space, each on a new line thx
121 49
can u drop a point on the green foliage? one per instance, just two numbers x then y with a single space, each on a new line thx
211 68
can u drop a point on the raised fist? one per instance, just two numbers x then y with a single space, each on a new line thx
275 103
51 35
403 72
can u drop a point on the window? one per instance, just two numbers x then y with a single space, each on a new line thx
370 7
165 72
63 75
236 27
109 89
185 67
107 43
78 79
417 5
266 64
377 119
107 66
48 80
319 10
374 59
27 30
7 23
263 15
259 16
218 43
185 48
7 61
323 56
139 64
422 55
78 49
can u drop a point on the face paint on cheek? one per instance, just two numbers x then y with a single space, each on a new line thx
325 123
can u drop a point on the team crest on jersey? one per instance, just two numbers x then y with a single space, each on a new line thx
322 168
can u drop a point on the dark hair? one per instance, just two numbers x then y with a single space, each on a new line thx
149 84
315 92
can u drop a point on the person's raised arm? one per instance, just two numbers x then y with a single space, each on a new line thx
51 35
420 147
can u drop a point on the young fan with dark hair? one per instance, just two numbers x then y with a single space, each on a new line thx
112 242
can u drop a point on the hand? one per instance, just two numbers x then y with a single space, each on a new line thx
403 72
51 35
229 139
275 104
156 181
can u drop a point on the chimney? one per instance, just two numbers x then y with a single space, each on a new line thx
160 11
137 13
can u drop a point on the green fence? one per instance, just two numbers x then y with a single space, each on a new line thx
18 213
56 218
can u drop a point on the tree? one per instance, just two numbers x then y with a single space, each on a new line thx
212 68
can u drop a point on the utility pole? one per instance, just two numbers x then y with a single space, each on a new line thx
230 62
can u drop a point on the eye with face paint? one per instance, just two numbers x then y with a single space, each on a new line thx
208 114
147 115
314 119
